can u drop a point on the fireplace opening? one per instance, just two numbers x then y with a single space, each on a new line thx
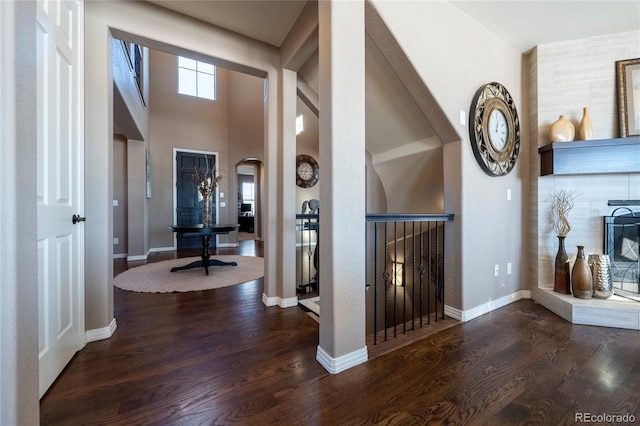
622 244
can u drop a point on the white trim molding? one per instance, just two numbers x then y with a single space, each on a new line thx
225 245
342 363
278 301
485 308
101 333
138 257
160 249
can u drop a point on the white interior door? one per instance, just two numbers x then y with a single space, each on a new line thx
60 178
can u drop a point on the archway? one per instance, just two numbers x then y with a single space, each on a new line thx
249 189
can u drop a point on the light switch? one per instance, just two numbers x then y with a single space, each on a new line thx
222 195
115 203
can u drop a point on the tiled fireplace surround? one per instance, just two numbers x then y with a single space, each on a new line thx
564 78
592 194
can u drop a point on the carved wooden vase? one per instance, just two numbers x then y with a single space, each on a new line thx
586 127
562 130
562 276
581 278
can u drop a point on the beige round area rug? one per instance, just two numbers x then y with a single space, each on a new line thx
157 277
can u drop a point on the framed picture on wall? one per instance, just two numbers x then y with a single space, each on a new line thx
628 83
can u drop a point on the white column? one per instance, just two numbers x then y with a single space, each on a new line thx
287 193
98 171
270 189
18 255
342 185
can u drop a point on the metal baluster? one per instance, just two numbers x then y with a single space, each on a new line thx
375 283
413 275
404 284
429 274
421 273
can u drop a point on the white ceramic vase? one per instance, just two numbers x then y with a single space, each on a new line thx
586 127
562 130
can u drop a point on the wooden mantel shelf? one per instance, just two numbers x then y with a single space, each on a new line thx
620 155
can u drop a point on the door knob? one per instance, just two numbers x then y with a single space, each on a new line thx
76 218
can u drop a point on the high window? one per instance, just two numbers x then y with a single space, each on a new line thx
196 78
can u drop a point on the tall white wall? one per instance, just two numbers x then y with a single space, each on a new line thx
429 32
183 122
565 77
120 193
342 149
18 257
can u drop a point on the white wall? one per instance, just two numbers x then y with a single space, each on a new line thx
429 32
246 123
130 111
183 122
120 193
18 258
565 78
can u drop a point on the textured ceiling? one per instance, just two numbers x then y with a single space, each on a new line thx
524 24
264 20
521 23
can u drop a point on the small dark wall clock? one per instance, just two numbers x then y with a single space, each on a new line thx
494 129
307 171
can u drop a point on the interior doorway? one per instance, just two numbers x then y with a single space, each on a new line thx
248 190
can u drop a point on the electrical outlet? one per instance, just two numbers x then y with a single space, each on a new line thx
509 268
497 270
116 241
115 203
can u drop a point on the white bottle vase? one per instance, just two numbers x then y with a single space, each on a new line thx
586 127
562 130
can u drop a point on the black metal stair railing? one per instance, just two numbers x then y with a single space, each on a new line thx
405 271
307 252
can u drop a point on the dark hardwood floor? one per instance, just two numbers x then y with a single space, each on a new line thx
222 357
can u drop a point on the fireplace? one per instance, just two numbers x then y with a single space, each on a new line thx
622 244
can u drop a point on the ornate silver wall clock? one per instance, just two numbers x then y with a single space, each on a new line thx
307 171
494 129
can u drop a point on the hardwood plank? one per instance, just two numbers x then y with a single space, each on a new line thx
222 357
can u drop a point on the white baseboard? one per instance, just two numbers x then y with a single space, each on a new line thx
278 301
138 257
492 305
342 363
100 333
160 249
289 302
225 245
120 256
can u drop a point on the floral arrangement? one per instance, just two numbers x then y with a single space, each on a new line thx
208 181
560 207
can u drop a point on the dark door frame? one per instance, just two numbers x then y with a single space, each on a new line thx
214 154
